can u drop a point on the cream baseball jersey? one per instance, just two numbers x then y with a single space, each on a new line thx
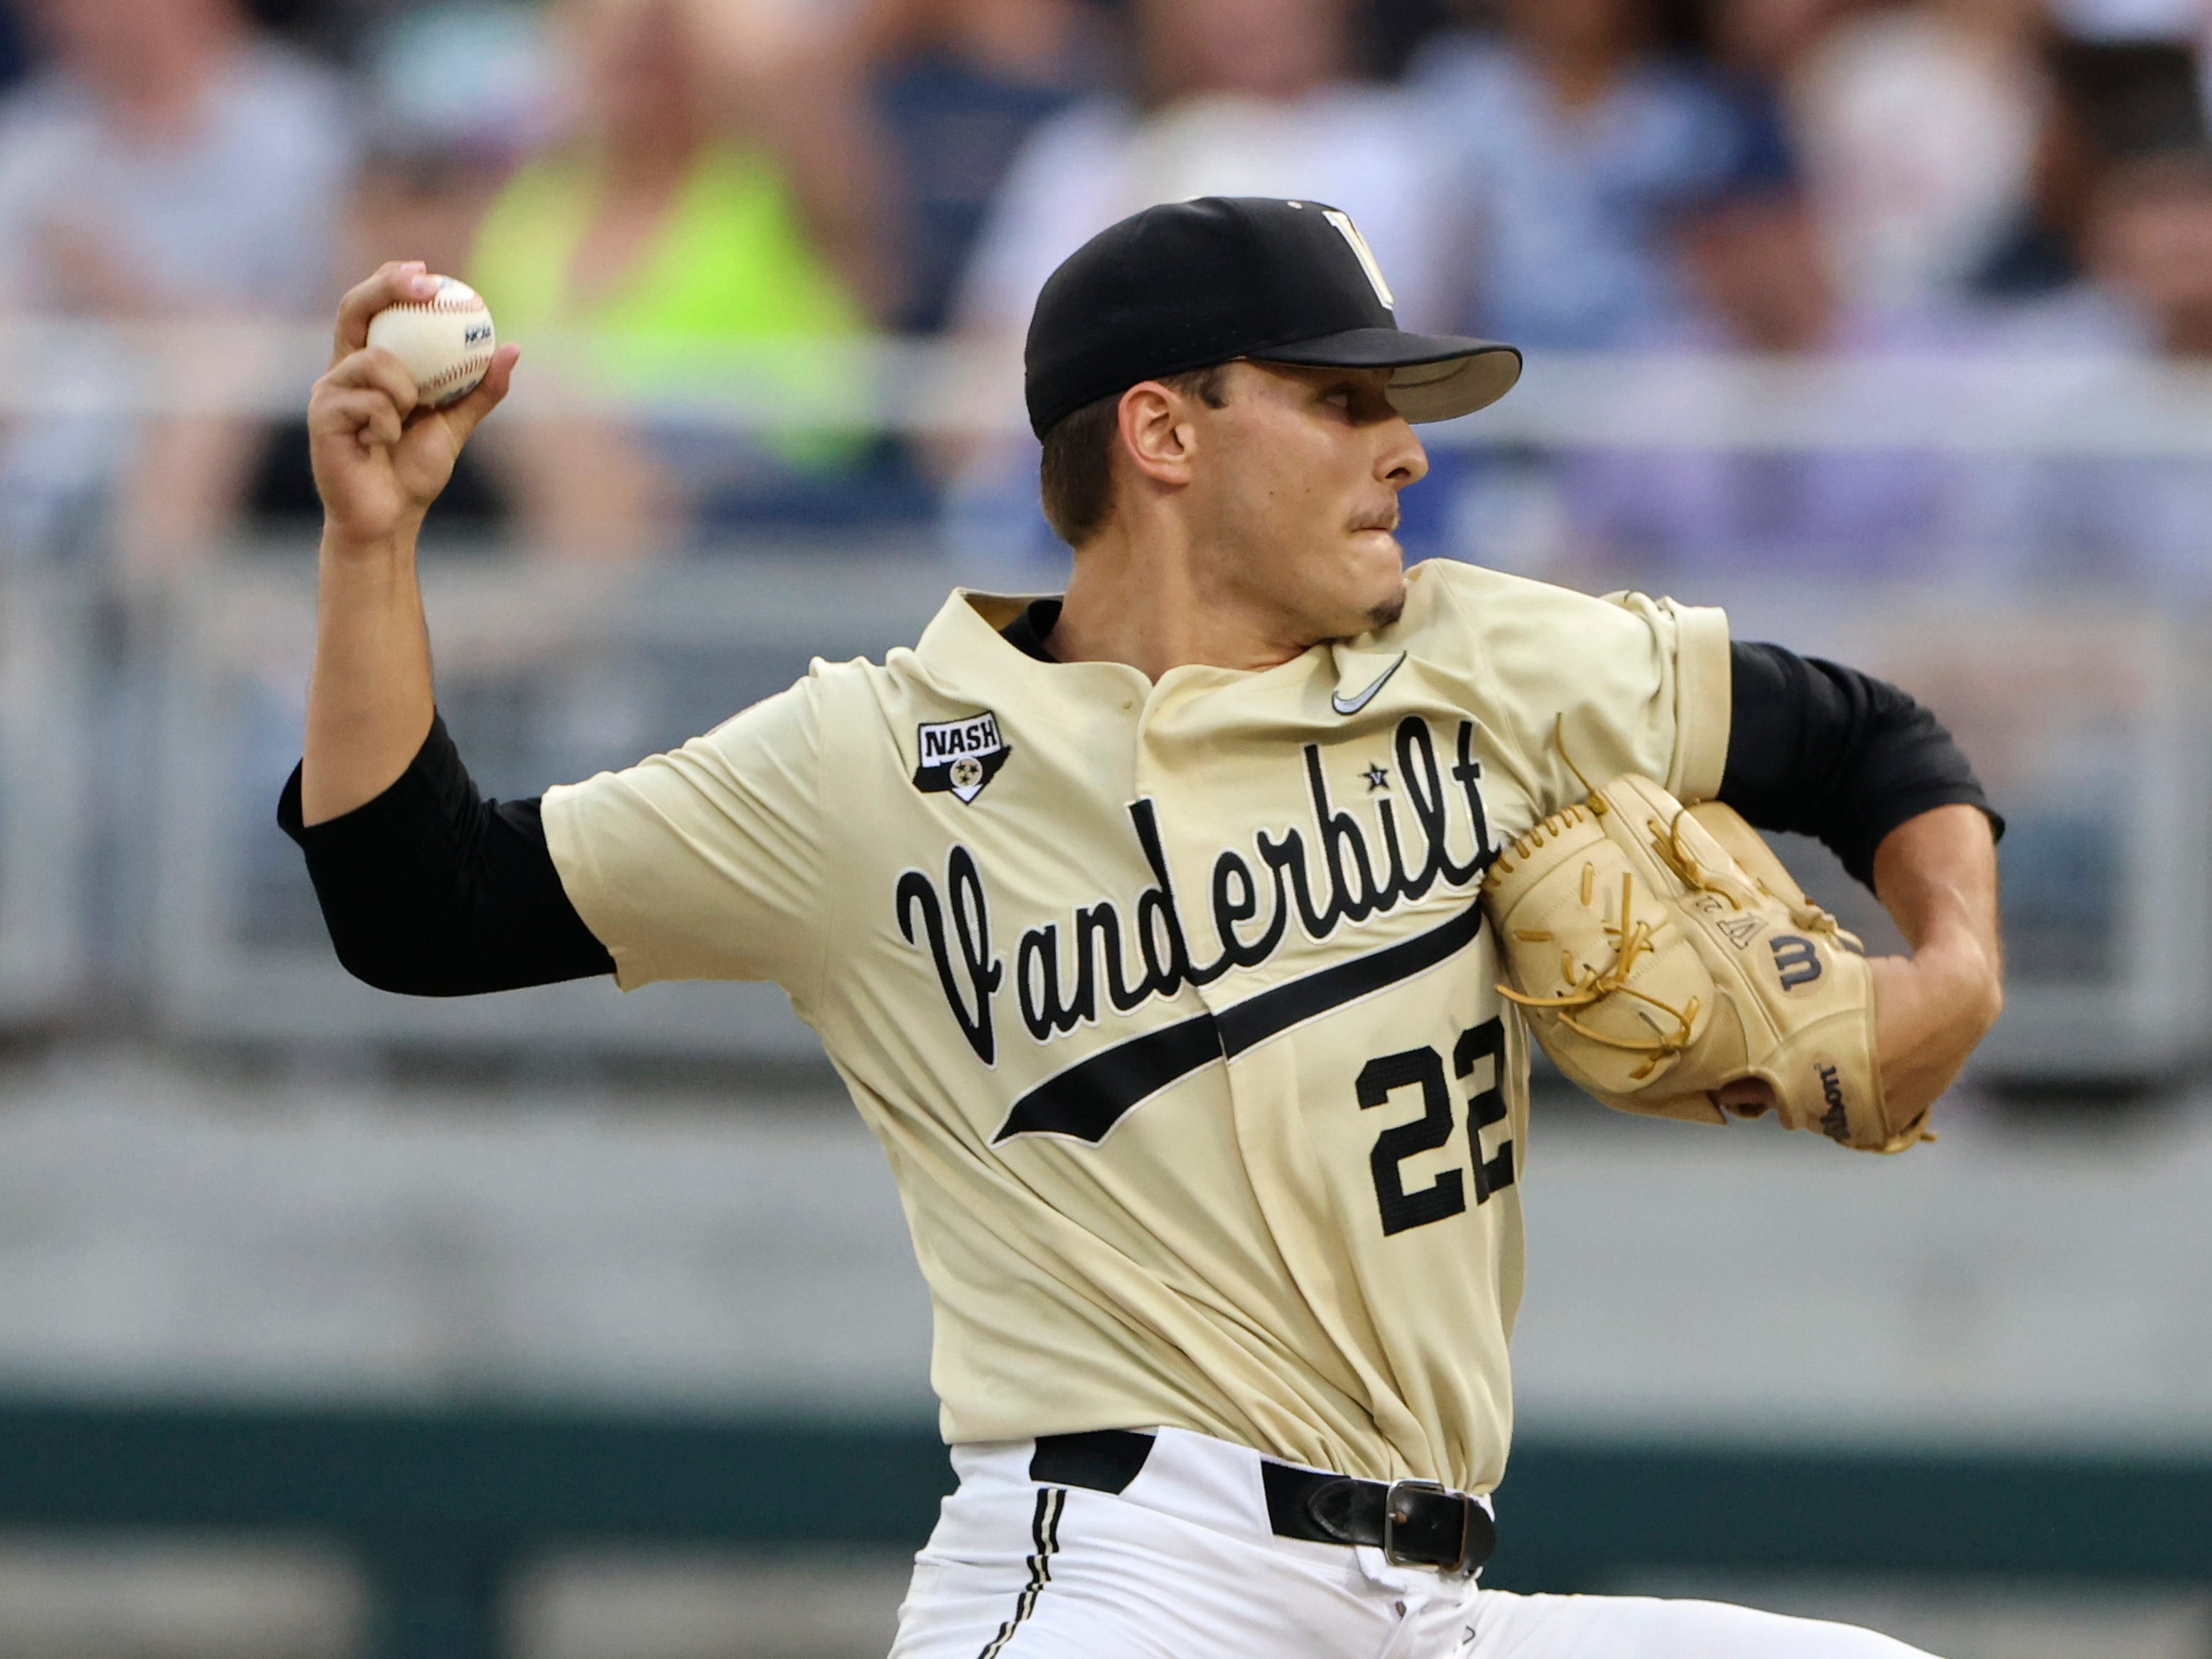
1171 1003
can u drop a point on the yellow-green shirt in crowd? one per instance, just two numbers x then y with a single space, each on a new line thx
732 264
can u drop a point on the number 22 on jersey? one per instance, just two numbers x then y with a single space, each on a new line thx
1423 1069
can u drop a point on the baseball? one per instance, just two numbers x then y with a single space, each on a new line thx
446 342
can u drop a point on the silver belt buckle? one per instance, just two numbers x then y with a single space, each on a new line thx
1394 1513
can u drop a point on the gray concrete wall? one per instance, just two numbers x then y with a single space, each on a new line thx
172 1231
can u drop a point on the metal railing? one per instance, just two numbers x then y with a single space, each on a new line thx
2090 719
49 748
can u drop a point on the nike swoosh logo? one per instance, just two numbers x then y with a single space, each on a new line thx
1345 705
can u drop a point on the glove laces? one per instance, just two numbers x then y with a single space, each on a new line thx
1588 986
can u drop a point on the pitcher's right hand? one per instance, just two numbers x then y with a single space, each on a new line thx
381 457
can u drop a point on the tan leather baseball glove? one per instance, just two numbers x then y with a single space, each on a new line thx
1662 951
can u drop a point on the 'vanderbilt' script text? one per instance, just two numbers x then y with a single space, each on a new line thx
1062 974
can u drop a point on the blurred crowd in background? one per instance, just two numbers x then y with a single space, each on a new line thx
1836 178
285 1193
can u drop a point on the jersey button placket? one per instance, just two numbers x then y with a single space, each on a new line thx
1157 782
1171 774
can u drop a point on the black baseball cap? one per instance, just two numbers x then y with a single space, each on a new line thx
1188 284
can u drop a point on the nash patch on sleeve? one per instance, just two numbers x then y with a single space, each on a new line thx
959 758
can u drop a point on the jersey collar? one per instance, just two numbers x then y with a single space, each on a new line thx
963 646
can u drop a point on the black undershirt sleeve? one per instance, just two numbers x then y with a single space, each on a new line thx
432 890
1820 750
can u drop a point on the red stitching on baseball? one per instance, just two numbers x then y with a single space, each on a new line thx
455 372
474 302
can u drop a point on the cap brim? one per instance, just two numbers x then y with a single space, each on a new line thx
1439 377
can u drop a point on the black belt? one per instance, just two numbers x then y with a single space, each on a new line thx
1413 1523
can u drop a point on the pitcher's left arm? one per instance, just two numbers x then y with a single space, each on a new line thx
1826 751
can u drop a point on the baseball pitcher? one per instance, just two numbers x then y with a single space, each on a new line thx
1182 937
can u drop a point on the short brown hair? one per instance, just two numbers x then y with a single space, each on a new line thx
1075 480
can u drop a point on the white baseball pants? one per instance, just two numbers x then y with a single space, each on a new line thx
1182 1563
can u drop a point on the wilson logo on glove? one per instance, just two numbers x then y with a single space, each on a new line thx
1836 1122
1795 959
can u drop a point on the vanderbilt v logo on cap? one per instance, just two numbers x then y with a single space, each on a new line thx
1349 232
